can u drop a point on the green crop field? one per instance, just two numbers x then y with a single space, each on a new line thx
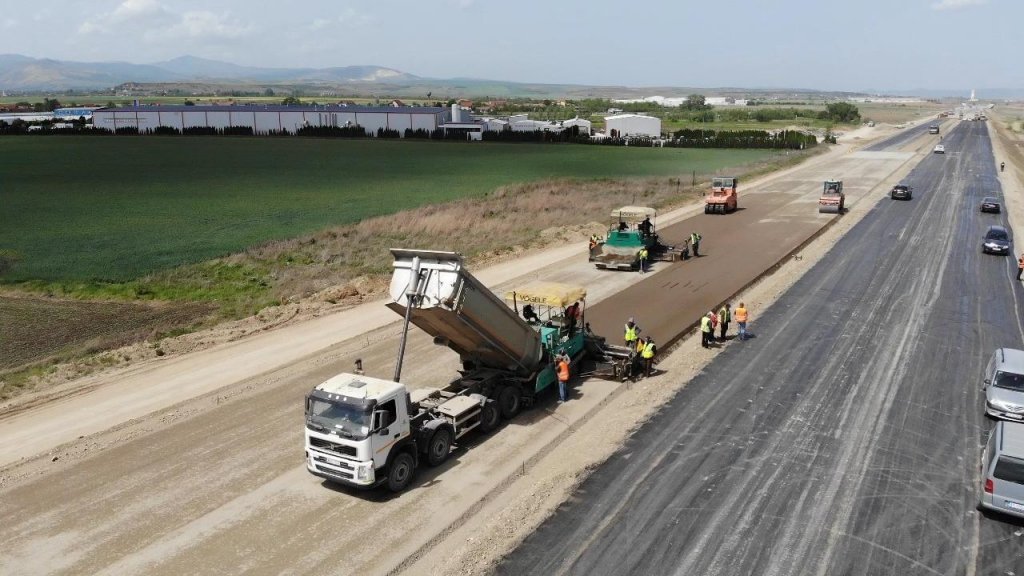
112 209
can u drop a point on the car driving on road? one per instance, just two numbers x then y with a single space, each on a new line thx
1002 469
990 204
901 192
996 241
939 149
1004 384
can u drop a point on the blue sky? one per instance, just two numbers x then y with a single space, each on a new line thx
820 44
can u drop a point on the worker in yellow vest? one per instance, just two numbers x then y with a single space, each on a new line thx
648 355
642 256
706 331
632 333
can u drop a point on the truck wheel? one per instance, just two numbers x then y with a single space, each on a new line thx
509 402
400 472
707 210
489 417
439 446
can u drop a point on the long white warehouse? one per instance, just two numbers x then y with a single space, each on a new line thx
264 119
632 125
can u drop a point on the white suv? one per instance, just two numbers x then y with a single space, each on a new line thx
1004 385
1002 470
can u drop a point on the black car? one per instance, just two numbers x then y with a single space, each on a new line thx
990 204
901 192
996 241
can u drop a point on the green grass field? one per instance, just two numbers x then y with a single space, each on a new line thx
112 209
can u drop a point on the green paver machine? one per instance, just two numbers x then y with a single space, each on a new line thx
633 228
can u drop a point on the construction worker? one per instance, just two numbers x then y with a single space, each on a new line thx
706 331
648 356
642 256
724 317
572 317
632 333
563 376
594 241
1020 266
742 315
695 242
645 227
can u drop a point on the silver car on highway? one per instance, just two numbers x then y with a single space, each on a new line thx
1004 385
1002 470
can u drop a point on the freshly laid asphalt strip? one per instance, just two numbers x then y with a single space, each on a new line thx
736 249
845 437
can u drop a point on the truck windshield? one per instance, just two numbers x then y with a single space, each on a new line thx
1009 380
347 420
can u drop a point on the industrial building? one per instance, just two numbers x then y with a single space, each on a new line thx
265 119
624 125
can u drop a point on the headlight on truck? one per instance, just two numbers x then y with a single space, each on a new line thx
364 472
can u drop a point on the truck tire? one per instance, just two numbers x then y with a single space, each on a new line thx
509 402
401 471
489 417
439 447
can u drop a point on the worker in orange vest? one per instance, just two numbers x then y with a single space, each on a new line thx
563 376
741 315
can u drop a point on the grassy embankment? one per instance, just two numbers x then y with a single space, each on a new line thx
237 224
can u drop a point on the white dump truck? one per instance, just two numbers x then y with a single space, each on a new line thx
364 432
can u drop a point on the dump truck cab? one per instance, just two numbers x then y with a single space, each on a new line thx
723 197
833 199
354 426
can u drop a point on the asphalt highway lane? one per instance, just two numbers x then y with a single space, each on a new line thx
845 438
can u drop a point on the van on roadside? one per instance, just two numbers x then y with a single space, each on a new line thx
1002 470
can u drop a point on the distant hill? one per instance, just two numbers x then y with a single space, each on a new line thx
191 74
22 73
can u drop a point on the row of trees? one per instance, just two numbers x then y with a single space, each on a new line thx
783 140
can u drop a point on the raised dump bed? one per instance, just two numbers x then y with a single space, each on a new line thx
461 313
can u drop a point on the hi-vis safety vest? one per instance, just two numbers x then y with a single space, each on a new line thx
563 371
648 350
695 238
741 314
723 315
630 333
643 254
705 324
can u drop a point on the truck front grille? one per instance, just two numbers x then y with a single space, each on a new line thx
329 446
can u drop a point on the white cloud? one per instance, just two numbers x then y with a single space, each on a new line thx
208 25
954 4
152 21
9 23
350 18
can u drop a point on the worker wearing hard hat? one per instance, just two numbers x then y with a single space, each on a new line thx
632 333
